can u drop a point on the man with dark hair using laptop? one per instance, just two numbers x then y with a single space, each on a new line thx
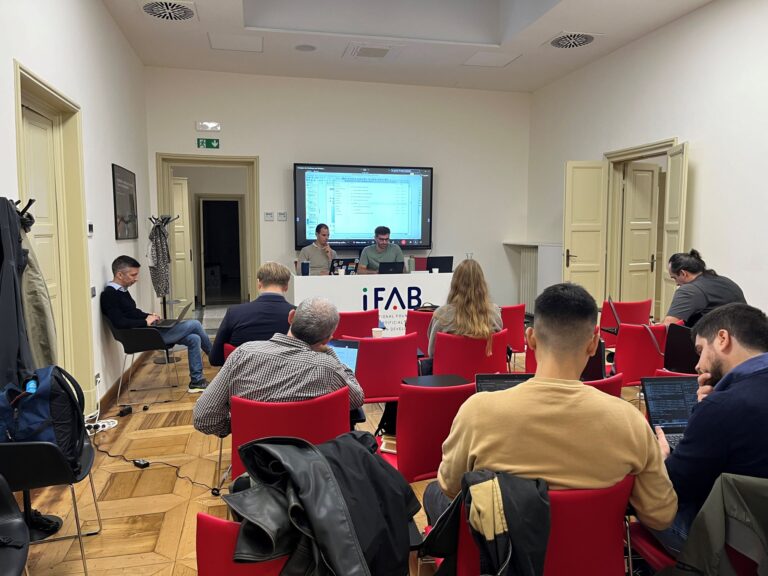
286 368
382 250
728 428
553 426
260 319
118 305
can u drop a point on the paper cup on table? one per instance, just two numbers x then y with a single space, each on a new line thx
377 332
435 270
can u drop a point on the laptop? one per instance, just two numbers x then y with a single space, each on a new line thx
171 323
343 266
679 351
346 351
595 368
391 267
498 382
444 264
669 402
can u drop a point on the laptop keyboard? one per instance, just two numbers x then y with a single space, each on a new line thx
673 439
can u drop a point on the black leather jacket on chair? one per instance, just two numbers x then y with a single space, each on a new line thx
336 509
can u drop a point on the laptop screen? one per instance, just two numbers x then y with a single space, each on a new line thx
498 382
346 351
391 267
670 400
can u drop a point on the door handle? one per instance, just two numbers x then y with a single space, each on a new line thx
568 257
190 255
653 262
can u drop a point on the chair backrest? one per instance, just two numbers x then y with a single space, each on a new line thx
679 351
628 313
228 349
637 354
382 363
586 534
466 356
315 420
418 322
31 465
357 324
513 319
664 373
420 442
530 360
587 530
420 263
610 385
215 543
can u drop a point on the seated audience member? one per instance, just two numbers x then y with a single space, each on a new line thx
468 310
553 426
118 305
728 428
260 319
286 368
319 254
699 290
382 250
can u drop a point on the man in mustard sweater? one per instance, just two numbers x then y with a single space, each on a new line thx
553 426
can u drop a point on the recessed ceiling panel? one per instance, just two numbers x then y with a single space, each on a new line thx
475 22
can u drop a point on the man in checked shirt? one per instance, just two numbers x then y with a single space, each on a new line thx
287 368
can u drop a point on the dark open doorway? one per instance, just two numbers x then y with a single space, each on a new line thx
220 227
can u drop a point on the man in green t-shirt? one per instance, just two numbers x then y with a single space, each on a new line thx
380 251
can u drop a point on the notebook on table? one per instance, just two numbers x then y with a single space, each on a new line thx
669 402
172 322
498 382
346 351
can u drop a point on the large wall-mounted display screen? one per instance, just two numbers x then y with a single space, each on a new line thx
354 200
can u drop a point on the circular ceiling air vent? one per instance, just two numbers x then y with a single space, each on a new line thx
572 40
168 10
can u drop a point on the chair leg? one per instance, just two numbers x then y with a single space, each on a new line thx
95 505
79 530
221 478
120 385
630 567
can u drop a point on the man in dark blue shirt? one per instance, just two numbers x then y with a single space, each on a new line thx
260 319
728 428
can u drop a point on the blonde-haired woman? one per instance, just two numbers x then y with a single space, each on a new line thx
468 310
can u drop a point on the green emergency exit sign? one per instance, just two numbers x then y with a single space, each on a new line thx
207 142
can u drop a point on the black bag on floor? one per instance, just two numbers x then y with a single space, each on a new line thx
53 413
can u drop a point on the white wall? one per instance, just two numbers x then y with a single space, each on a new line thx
701 78
477 141
75 47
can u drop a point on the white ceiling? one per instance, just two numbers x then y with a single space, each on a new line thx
427 42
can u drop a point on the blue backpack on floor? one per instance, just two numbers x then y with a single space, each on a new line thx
53 413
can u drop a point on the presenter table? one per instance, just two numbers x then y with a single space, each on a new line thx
392 294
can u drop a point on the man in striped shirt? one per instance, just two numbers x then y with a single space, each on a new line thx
287 368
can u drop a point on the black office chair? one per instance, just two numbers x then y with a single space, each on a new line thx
14 536
136 340
679 351
30 465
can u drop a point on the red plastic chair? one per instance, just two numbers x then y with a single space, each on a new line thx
228 349
513 319
530 361
645 545
419 263
636 354
382 363
610 385
628 313
586 533
216 540
466 356
418 322
357 324
420 442
316 420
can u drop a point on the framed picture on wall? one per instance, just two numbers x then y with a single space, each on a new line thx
126 216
